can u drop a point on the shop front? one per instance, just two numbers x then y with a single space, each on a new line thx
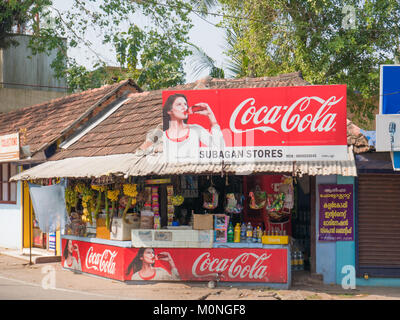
241 204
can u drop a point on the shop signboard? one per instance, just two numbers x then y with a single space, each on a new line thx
245 125
388 119
9 147
177 264
335 212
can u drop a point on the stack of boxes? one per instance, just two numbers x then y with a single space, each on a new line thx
155 207
170 206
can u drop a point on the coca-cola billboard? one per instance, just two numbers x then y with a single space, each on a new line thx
177 264
256 124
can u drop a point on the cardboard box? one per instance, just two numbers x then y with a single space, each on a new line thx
203 221
101 231
120 230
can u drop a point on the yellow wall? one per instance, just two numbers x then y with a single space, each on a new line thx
27 206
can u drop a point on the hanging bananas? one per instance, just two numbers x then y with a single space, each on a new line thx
130 191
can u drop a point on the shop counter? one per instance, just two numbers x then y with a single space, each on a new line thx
116 243
244 263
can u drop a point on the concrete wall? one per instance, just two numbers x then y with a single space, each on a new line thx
28 73
11 223
12 99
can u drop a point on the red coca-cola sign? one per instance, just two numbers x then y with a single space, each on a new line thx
98 259
256 124
177 264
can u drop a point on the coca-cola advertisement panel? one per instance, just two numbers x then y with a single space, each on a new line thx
102 260
176 264
255 124
198 264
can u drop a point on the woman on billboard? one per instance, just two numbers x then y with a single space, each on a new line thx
182 140
143 266
70 261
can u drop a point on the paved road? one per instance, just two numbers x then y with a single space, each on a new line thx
11 289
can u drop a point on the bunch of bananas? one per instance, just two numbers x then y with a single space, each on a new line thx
87 203
177 200
130 191
100 190
80 187
71 198
113 194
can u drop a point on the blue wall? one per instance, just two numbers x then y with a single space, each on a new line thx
345 250
325 250
333 256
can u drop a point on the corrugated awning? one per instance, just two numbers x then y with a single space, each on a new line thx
153 164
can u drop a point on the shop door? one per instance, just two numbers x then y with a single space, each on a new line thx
378 225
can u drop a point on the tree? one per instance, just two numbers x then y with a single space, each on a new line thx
153 54
329 41
17 13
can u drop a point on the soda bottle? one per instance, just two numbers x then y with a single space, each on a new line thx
230 232
243 232
301 261
249 232
296 260
293 260
259 234
236 233
255 235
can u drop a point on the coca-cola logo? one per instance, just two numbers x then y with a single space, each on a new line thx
102 262
247 117
246 265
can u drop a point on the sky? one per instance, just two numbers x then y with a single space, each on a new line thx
203 34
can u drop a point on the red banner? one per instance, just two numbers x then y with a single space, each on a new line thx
177 264
266 123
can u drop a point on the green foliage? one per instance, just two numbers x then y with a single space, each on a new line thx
152 55
278 36
14 13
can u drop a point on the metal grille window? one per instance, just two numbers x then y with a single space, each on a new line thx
378 224
8 190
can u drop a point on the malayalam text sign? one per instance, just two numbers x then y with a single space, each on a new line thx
335 212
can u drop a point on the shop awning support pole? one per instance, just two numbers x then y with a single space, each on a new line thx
30 232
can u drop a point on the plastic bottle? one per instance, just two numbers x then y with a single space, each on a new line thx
255 235
230 232
259 234
249 232
293 260
236 233
296 260
301 261
243 232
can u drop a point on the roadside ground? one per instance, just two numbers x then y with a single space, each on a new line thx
37 274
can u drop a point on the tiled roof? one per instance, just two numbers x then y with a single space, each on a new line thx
125 130
356 138
42 124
